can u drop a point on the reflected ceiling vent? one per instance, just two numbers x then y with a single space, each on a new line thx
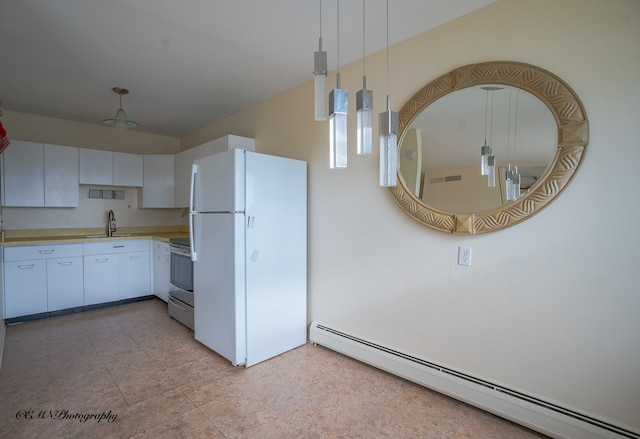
446 179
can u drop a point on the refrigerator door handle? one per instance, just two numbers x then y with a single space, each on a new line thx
194 172
192 241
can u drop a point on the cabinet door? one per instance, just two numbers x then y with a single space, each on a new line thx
134 273
95 166
158 184
25 289
23 174
161 267
61 183
127 169
64 283
100 279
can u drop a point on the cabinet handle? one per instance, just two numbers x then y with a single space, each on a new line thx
46 252
134 258
26 267
65 264
102 260
118 246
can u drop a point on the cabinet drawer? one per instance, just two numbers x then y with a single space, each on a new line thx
25 252
107 247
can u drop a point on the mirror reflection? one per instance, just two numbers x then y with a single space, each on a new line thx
440 154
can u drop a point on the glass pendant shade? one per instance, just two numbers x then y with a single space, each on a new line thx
364 114
485 152
515 185
491 171
508 184
338 109
388 147
120 120
320 82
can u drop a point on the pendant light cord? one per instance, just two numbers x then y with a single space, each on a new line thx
338 51
388 81
364 33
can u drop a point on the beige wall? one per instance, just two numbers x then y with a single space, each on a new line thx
549 306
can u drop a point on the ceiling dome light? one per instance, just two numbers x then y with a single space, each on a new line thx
120 121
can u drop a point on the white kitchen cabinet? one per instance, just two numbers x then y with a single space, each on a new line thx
158 183
23 174
95 166
37 175
110 168
134 271
127 169
184 160
101 279
65 286
25 284
116 270
41 278
61 182
161 267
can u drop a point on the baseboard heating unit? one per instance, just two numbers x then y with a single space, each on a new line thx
532 412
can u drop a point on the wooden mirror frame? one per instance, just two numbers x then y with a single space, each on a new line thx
573 134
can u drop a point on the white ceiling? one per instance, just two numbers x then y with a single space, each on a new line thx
186 63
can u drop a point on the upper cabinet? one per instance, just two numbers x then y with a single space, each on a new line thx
127 169
158 184
61 188
184 160
96 166
39 175
110 168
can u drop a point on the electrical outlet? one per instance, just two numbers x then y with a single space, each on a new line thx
464 256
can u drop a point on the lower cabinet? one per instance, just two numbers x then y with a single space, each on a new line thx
161 267
42 278
45 278
133 275
116 270
101 279
25 289
64 283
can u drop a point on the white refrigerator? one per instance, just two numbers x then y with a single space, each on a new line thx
248 233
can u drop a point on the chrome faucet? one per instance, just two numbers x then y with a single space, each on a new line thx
111 223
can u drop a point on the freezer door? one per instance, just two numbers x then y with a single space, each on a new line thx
219 284
217 182
276 255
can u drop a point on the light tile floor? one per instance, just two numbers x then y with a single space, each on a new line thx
146 371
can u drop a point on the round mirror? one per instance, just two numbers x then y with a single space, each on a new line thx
486 146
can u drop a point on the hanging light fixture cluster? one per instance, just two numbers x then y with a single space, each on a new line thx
339 107
512 176
487 159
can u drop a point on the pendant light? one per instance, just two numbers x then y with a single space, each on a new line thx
485 150
388 135
338 109
120 120
512 176
364 104
320 77
515 177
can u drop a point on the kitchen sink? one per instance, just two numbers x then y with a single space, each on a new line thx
104 235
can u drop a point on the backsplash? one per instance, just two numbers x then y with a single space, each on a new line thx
92 212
